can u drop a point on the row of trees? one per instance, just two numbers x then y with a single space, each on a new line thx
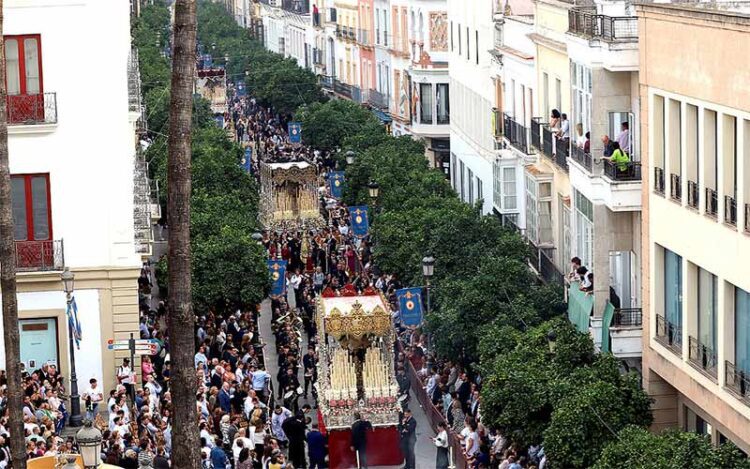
228 267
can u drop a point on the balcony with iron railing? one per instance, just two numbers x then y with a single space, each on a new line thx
327 82
659 181
562 148
581 157
587 24
712 203
628 317
40 256
364 37
516 134
702 357
730 210
341 88
301 7
32 109
669 334
737 381
675 187
378 100
693 195
536 132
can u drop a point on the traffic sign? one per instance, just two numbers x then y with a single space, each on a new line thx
145 341
145 352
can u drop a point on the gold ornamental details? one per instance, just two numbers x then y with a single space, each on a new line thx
357 322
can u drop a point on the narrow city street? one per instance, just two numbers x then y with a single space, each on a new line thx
425 449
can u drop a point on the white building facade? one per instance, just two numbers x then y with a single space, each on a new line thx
72 146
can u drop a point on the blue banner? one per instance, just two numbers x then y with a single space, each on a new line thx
295 132
247 160
359 221
277 270
336 183
74 325
410 305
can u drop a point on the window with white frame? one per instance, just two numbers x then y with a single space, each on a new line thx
581 87
470 179
480 190
532 210
565 234
584 219
510 198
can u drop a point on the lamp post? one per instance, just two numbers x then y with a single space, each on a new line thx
89 440
350 157
428 269
75 419
374 190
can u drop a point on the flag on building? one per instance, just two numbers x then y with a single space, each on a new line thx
410 305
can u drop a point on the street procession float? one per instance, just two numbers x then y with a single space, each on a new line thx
289 195
356 374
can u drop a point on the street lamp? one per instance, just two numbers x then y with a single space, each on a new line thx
374 190
428 269
68 280
89 440
350 157
551 340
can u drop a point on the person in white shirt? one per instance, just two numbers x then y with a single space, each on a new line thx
153 386
241 441
93 396
441 442
125 376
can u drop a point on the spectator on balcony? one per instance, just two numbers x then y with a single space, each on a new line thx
575 264
607 145
619 158
580 140
624 138
564 132
587 143
554 120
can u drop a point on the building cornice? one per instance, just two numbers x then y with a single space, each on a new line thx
710 17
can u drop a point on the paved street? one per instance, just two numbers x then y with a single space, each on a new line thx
425 450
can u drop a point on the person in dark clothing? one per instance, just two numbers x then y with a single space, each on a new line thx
316 448
294 429
309 362
359 438
408 432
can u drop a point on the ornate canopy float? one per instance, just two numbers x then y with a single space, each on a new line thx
355 373
289 195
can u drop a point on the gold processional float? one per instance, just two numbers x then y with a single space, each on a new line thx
355 367
289 196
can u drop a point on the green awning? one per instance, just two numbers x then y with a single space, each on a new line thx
609 313
579 307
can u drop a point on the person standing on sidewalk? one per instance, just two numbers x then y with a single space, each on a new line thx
408 432
359 438
441 442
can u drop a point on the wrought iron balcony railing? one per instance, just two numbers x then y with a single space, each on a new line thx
736 380
675 186
32 109
669 334
326 82
659 180
547 139
516 134
536 132
693 194
730 210
712 202
702 356
581 157
378 100
40 256
562 147
628 317
623 172
587 24
342 88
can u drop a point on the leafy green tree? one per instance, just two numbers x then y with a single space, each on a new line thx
672 449
588 417
327 125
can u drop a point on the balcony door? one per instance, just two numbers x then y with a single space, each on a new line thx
32 220
622 283
23 78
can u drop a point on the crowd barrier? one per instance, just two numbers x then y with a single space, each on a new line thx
434 416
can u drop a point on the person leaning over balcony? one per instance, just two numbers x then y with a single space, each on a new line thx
608 148
619 158
554 120
564 132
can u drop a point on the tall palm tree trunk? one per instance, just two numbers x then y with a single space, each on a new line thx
8 281
185 443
